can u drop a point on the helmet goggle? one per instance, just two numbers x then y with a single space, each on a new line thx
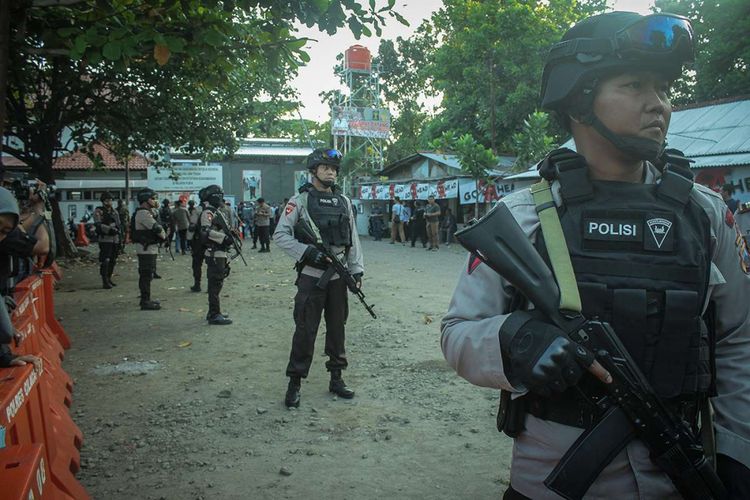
654 35
331 154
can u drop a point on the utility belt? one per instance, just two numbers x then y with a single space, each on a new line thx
570 411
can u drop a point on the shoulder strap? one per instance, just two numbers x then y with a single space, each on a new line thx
676 184
554 240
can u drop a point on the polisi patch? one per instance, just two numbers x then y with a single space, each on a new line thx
328 202
611 229
659 229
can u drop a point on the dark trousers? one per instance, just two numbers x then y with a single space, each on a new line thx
107 258
215 268
418 230
199 254
264 235
146 270
182 234
309 304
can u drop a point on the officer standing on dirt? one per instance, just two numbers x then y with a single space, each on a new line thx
110 231
651 253
196 247
147 233
330 215
216 242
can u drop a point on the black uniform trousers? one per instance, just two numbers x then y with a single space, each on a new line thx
264 235
309 304
199 254
418 230
146 270
215 269
182 233
107 258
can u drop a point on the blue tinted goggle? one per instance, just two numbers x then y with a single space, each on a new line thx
654 35
657 34
332 154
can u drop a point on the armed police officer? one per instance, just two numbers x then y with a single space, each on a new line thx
216 238
147 234
110 231
329 215
648 251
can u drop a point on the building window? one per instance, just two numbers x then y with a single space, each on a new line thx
75 195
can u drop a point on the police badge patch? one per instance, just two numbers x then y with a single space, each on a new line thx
289 208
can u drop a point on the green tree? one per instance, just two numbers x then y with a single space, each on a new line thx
722 57
475 159
532 142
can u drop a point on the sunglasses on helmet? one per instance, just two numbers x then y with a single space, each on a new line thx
654 35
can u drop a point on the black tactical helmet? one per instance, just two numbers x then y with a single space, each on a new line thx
106 195
145 194
213 194
611 42
8 203
326 156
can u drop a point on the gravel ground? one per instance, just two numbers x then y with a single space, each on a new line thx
173 408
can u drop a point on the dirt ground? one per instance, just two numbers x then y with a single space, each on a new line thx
173 408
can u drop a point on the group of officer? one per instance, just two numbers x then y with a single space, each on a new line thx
209 232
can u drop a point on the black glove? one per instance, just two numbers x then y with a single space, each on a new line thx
540 356
314 257
357 278
227 241
734 475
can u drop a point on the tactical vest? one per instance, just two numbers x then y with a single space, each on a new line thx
145 237
330 213
108 217
640 253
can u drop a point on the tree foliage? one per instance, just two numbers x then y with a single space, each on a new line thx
533 141
722 59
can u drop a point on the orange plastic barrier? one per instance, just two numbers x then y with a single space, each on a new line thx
26 475
34 406
81 239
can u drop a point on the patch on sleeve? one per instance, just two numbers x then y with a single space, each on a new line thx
729 218
289 208
210 216
474 263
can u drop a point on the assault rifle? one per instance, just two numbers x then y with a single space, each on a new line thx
236 243
304 233
630 407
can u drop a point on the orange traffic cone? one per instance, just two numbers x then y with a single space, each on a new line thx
81 239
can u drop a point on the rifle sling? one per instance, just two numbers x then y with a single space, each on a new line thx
554 240
590 454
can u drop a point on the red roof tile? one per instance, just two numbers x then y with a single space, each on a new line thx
80 161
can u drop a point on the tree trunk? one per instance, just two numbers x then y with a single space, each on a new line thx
4 58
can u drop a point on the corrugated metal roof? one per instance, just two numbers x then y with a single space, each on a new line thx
448 160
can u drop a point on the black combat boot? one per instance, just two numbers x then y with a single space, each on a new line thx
338 387
105 283
150 305
196 287
219 319
292 392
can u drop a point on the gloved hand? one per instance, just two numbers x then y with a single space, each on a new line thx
227 241
358 279
540 356
114 230
314 257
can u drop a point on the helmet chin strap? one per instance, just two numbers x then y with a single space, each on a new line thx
638 148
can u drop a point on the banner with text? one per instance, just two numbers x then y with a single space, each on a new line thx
184 177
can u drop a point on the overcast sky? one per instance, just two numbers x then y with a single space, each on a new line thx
318 75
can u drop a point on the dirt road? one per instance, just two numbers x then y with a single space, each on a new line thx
173 408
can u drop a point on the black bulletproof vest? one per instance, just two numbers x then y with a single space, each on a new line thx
330 214
640 256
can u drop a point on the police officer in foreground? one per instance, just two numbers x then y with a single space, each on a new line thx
216 241
651 253
330 215
147 233
110 231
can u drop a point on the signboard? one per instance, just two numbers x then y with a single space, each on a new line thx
382 192
184 177
252 188
488 191
361 122
300 179
446 189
